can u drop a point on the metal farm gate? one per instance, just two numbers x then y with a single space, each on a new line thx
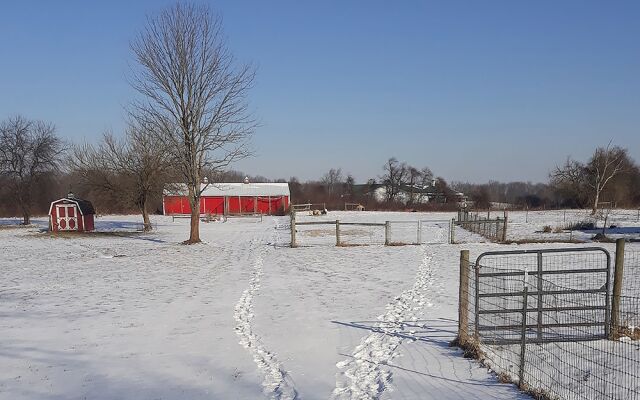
560 294
543 319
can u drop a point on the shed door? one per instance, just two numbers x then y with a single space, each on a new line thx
67 217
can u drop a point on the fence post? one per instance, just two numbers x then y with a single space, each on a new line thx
293 228
539 321
523 338
387 232
337 232
504 225
463 299
618 275
419 236
452 232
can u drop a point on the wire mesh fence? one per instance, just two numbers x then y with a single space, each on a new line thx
541 320
631 286
319 232
420 232
493 229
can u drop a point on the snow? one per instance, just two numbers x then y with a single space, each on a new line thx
123 314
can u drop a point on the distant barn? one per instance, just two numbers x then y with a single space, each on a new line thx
71 214
231 198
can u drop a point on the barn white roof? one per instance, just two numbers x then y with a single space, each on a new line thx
233 189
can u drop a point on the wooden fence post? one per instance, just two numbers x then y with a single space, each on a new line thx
293 228
463 299
337 232
387 232
523 338
617 290
452 232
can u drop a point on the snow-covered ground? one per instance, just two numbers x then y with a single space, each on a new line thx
106 316
530 225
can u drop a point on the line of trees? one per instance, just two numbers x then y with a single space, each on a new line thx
609 175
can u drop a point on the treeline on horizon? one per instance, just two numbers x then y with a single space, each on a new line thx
335 189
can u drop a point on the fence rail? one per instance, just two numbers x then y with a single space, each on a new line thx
553 321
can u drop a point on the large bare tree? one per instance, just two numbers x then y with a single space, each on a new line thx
195 93
29 150
394 177
134 168
591 179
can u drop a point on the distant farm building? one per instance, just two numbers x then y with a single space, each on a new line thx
71 214
231 198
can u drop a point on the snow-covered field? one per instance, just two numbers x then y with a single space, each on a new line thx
241 316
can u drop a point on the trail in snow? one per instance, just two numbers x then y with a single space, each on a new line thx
364 375
277 383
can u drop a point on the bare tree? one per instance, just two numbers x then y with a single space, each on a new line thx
570 179
394 177
591 179
605 164
194 94
332 180
134 168
28 151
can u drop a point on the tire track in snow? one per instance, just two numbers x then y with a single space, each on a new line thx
363 375
277 383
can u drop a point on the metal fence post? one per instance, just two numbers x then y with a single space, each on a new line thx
387 232
463 299
523 338
293 228
618 275
337 232
539 296
419 236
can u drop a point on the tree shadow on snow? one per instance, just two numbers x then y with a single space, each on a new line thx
437 331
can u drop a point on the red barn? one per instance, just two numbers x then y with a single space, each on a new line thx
71 214
231 198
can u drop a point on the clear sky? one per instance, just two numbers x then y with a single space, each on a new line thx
476 90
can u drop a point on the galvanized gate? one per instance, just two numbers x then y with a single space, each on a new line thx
538 296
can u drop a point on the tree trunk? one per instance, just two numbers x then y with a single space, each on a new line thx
26 211
26 218
594 210
145 217
194 235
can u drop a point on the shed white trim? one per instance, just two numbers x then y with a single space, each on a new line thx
67 199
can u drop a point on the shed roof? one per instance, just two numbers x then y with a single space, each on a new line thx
85 206
233 189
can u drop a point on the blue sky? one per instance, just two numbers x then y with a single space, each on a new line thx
476 90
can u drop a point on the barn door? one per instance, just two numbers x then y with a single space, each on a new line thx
67 217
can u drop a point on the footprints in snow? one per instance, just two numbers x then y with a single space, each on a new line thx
276 384
364 375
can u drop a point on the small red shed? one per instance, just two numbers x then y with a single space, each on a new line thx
71 214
